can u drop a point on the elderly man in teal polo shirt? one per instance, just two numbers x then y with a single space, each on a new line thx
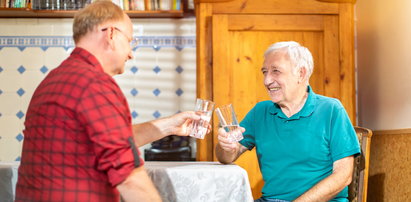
305 142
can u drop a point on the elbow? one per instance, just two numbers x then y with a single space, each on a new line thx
348 180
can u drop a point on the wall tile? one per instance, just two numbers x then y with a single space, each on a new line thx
158 82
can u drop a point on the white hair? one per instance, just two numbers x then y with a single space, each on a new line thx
299 55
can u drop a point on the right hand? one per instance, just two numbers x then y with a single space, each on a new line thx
225 142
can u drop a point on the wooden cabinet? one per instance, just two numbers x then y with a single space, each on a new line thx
232 36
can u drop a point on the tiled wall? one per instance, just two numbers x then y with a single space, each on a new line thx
158 82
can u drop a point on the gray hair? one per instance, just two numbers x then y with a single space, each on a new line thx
97 13
299 55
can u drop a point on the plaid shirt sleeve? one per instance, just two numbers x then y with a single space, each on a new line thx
104 111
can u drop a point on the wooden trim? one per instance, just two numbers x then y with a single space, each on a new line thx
284 22
347 70
393 132
210 1
220 64
339 1
205 148
331 45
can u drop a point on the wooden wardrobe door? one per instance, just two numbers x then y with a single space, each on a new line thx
239 42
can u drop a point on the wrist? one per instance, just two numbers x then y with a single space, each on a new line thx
162 126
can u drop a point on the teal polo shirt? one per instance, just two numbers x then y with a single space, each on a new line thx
296 153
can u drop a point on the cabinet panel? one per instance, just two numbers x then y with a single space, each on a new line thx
276 7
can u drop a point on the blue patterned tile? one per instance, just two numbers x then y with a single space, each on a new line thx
179 69
1 69
156 48
21 48
134 69
44 69
156 69
134 114
134 92
18 158
156 92
19 137
43 42
44 48
179 92
20 114
20 92
66 42
156 114
21 69
179 48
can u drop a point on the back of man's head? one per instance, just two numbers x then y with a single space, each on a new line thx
93 15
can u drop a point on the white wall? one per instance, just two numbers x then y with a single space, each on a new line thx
384 63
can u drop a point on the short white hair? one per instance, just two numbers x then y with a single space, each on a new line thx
299 55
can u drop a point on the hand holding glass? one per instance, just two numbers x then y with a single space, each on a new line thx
205 109
228 120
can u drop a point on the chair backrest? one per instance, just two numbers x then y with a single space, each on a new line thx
357 190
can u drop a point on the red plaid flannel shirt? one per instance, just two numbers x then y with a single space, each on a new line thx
78 142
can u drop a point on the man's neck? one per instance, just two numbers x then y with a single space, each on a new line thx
294 107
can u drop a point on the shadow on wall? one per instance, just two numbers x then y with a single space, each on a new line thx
376 191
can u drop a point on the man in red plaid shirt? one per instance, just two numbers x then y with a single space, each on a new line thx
79 142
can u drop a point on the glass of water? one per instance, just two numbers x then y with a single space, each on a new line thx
228 120
204 108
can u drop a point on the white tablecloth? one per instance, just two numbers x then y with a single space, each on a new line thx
176 181
8 180
199 181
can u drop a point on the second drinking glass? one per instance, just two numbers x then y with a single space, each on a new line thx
228 120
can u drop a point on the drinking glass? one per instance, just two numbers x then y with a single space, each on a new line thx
205 109
228 120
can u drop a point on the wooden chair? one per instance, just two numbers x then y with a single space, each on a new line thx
357 190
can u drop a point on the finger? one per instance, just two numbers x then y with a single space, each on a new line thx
242 129
191 115
228 146
208 127
226 141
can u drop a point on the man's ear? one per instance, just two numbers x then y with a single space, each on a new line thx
109 37
302 74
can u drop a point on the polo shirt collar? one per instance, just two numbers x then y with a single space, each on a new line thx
306 111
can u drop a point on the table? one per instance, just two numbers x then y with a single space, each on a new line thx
8 180
199 181
176 181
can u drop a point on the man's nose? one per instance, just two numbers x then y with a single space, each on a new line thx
268 80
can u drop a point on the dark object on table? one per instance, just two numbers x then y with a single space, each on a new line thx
171 148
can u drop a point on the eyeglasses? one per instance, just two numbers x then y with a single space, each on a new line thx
133 41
